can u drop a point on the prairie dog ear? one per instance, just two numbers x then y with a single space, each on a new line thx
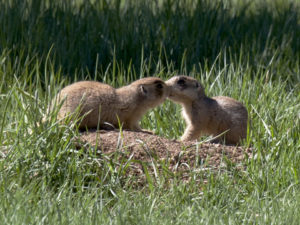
143 90
200 89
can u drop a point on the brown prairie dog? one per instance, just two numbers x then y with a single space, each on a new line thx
101 103
210 116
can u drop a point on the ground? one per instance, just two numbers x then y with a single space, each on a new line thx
175 155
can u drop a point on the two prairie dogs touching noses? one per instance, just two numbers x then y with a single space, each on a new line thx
102 104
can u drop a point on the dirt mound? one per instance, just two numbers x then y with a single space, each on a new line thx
177 156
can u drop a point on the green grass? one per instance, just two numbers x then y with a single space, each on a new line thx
249 50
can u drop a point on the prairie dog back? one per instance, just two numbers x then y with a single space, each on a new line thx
237 116
91 97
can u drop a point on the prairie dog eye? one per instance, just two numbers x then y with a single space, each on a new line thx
160 86
180 82
197 85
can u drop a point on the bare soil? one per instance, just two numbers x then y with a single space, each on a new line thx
176 156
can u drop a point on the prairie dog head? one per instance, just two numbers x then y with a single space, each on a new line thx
151 90
183 89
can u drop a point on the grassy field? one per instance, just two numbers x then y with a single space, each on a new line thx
249 50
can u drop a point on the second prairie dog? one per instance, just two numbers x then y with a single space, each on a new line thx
210 116
102 102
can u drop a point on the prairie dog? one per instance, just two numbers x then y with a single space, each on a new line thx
210 116
100 103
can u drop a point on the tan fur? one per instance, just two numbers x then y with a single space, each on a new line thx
208 116
102 102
